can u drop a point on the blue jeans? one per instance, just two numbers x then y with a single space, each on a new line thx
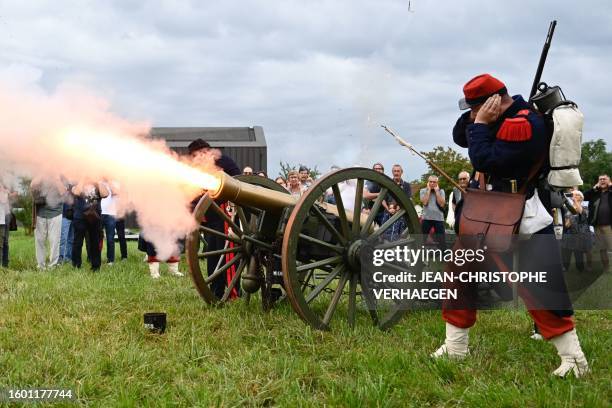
108 223
66 240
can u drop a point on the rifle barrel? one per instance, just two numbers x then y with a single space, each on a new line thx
538 76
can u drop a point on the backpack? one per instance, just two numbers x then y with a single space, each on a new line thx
90 209
564 121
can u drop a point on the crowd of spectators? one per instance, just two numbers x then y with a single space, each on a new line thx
299 181
67 215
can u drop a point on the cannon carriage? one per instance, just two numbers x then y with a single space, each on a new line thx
308 249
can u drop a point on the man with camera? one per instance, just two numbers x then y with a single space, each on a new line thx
600 208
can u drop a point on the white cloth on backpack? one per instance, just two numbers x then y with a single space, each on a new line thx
565 146
535 216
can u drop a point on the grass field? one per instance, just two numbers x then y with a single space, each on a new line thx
75 329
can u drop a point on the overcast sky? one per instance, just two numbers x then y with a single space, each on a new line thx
319 76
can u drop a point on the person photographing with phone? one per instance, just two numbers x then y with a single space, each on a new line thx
434 202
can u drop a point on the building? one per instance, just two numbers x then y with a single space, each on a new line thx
246 145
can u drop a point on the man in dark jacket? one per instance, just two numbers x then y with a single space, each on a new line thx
600 210
87 221
213 220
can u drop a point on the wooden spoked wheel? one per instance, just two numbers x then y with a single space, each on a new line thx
321 252
245 237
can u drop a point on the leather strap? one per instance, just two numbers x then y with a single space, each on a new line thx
532 173
564 168
481 181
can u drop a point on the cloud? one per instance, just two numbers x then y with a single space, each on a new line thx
319 76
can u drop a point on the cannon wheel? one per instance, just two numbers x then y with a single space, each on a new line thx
242 249
317 288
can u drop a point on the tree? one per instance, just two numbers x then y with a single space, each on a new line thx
449 160
286 168
595 160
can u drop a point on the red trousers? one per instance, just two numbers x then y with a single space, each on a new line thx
172 259
549 323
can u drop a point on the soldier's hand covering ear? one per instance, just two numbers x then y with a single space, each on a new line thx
473 114
490 110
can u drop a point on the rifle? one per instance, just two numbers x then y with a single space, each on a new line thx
430 162
538 75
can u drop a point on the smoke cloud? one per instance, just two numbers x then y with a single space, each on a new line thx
72 133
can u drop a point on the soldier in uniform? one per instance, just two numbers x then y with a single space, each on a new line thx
506 138
214 220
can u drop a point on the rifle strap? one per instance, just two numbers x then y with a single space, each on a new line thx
533 172
481 181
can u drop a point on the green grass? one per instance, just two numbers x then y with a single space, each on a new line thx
75 329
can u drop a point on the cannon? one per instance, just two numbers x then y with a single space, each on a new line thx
306 249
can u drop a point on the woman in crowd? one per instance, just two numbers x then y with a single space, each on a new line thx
293 184
281 181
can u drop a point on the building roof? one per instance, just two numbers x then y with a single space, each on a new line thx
180 137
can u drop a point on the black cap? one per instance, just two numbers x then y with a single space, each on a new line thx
303 168
196 145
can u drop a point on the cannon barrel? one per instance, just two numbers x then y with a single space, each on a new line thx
251 195
246 194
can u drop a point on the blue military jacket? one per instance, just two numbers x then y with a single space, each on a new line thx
508 148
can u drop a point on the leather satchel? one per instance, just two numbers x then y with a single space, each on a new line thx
490 218
90 212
